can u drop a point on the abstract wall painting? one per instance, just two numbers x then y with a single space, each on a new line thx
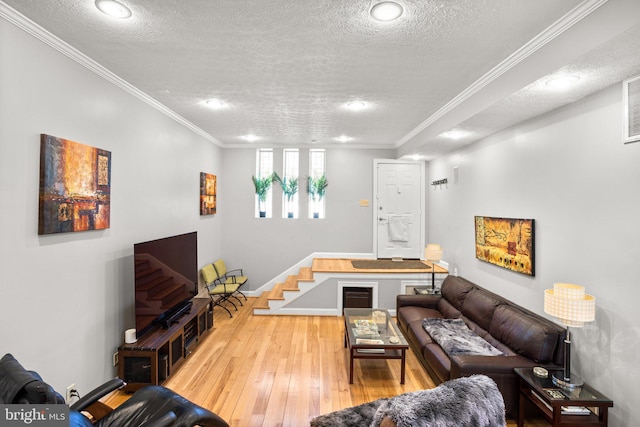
75 186
208 196
506 242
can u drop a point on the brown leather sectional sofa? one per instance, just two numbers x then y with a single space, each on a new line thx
525 338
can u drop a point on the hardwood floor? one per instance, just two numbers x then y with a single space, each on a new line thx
284 370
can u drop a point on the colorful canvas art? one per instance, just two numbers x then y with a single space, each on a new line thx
75 186
208 196
506 242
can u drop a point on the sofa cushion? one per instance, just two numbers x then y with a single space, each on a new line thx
410 314
417 335
455 289
448 310
438 360
524 334
479 307
474 327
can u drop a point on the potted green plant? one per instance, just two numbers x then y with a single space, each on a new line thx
262 187
289 189
317 188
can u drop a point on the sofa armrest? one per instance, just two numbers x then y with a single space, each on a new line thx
426 301
463 366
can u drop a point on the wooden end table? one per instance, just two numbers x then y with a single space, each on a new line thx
539 392
364 324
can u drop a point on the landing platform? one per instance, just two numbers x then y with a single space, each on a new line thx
345 265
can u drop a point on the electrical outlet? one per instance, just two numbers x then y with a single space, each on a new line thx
70 393
115 359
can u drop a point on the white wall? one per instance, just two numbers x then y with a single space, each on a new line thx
265 247
570 172
67 298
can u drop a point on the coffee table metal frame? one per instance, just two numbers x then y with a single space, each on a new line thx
387 331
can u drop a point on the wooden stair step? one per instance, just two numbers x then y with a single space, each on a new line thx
277 293
305 274
291 284
263 301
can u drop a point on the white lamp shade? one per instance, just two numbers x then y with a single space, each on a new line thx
570 304
433 252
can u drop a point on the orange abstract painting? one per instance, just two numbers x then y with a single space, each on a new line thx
506 242
75 186
208 196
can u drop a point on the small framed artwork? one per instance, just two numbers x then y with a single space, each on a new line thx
208 196
75 186
506 242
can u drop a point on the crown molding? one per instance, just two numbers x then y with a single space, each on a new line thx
549 34
30 27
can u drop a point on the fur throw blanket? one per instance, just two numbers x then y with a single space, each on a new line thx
473 401
455 338
356 416
463 402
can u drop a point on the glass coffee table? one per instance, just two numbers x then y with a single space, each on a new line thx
371 333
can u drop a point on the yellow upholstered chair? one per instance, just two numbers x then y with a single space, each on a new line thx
219 290
233 277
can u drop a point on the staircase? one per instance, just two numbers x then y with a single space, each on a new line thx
276 295
283 292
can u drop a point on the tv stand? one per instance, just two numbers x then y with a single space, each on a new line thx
173 317
161 351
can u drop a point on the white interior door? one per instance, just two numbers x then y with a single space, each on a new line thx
399 209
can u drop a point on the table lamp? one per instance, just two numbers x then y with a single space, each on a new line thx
572 307
433 253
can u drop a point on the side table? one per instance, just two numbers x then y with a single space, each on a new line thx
539 392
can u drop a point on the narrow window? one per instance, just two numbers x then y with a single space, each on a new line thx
317 183
290 182
262 181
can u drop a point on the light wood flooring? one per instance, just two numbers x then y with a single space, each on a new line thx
284 370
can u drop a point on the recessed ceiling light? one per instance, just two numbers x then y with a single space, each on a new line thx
562 82
251 137
216 104
455 134
343 138
113 8
356 105
386 11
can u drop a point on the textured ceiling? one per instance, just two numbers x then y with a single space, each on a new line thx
285 68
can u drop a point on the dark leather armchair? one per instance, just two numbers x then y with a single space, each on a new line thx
19 386
151 406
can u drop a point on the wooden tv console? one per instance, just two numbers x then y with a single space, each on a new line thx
160 352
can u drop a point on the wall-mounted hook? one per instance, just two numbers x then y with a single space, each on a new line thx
440 182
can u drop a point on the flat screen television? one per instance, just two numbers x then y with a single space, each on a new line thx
166 279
